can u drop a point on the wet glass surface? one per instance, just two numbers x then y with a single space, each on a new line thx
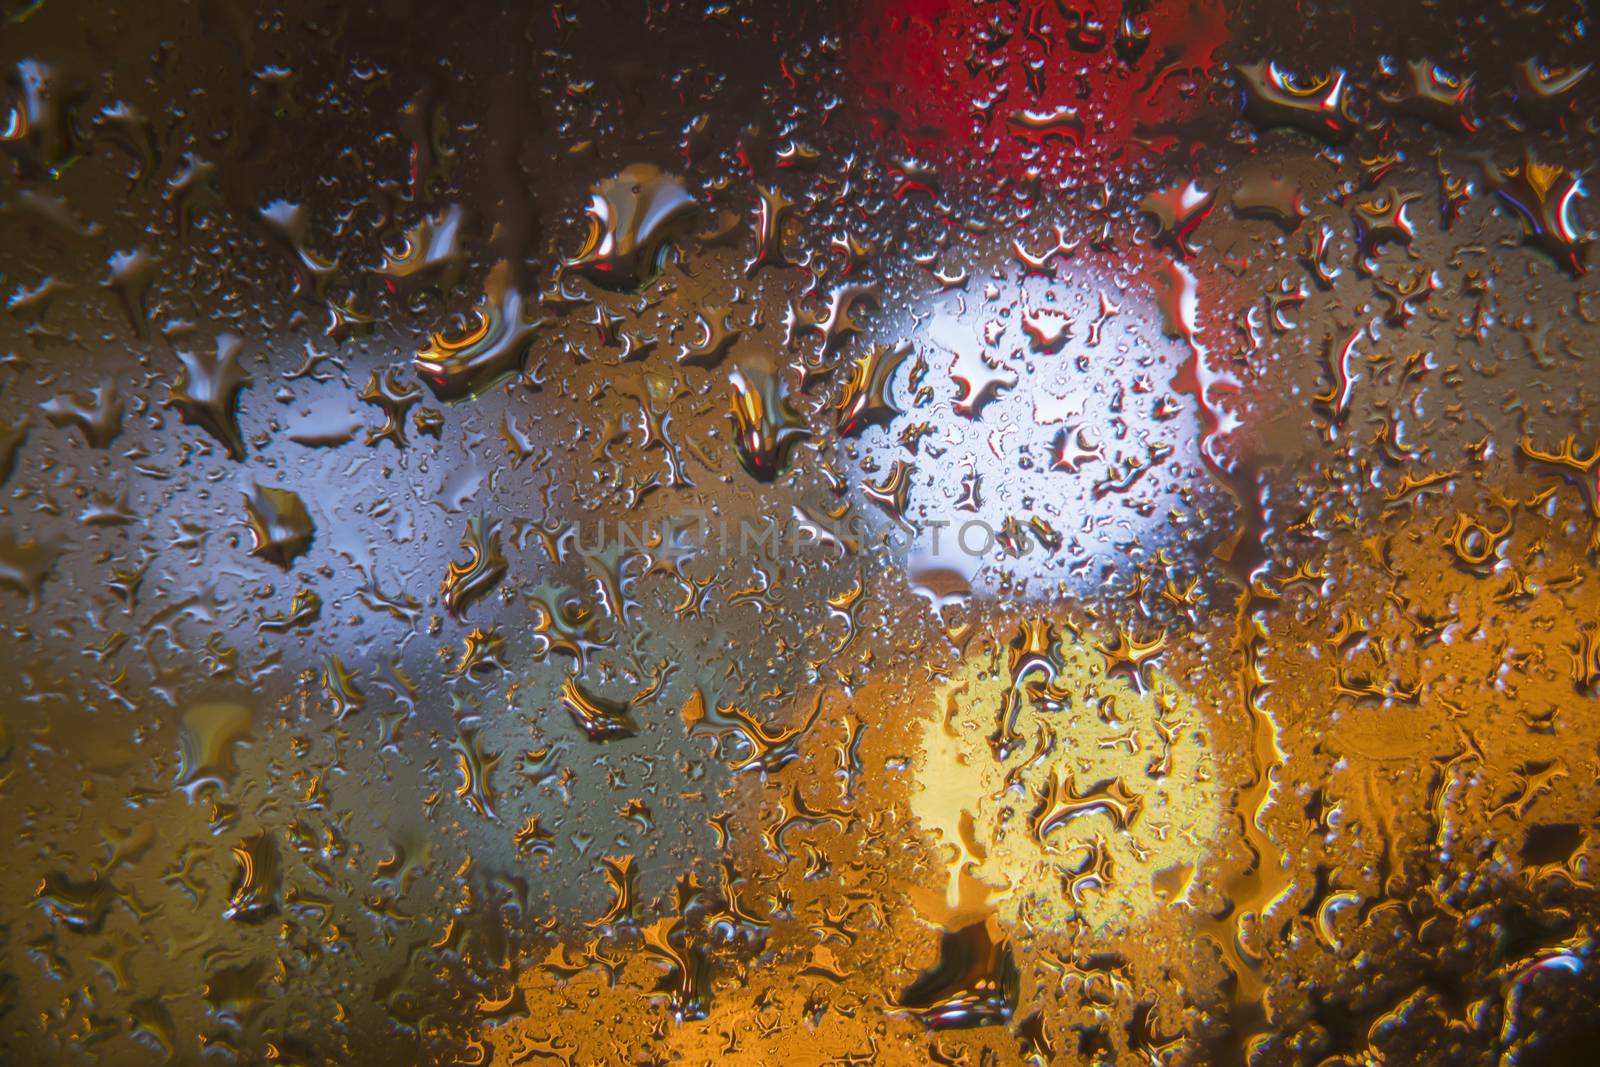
897 532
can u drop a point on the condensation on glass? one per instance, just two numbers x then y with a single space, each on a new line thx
904 532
